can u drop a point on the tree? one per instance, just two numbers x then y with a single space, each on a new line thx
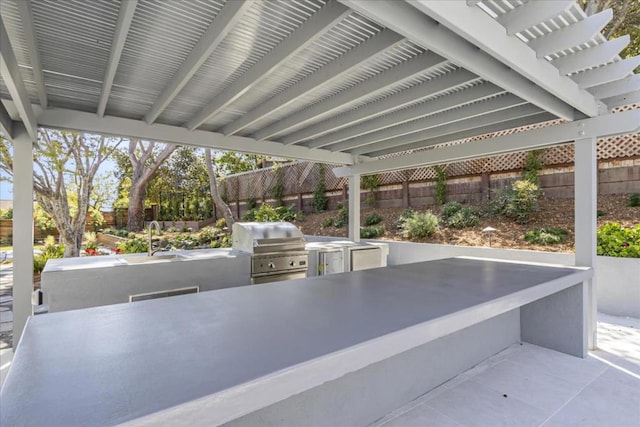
144 162
626 20
231 162
65 165
215 194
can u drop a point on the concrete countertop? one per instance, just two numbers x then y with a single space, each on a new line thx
233 351
89 262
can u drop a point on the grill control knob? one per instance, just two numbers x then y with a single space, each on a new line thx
272 265
292 263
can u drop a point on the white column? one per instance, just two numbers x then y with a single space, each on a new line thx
586 193
354 208
22 229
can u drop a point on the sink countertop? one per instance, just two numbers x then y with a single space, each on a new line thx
89 262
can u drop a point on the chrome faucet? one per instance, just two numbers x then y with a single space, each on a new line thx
157 226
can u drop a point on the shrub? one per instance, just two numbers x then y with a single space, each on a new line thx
532 165
184 241
449 209
600 213
420 225
517 202
546 236
407 213
209 234
634 200
267 213
371 232
249 215
6 213
51 250
251 203
327 222
91 240
342 219
372 219
320 199
133 246
465 217
371 183
285 213
171 229
617 241
441 184
454 215
221 223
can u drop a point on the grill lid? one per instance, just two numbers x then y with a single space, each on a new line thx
260 237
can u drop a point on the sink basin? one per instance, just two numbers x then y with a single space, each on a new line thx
153 259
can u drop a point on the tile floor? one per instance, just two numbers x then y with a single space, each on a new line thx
526 385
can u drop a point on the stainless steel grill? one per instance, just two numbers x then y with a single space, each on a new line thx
277 250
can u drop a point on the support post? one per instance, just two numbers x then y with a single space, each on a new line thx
22 230
586 193
354 208
405 194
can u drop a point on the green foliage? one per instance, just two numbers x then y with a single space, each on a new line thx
6 213
320 199
617 241
407 213
277 189
370 183
184 241
118 233
372 219
420 225
51 250
91 240
221 223
546 236
209 234
600 213
518 202
634 200
251 203
454 215
441 184
532 165
267 213
133 246
464 218
342 218
43 220
327 222
232 162
372 232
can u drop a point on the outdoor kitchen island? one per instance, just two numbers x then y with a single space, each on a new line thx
341 349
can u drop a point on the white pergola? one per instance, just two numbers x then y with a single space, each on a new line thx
367 85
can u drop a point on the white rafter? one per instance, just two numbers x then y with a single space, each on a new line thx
229 16
322 21
532 13
326 75
377 84
125 16
460 115
61 118
572 35
414 140
371 130
607 73
482 130
621 100
6 124
12 78
393 102
605 125
483 31
592 57
428 33
617 88
26 19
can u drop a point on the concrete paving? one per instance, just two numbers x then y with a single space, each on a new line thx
527 385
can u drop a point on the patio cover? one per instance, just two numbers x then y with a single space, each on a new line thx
370 85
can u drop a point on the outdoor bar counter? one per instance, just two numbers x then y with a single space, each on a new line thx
343 349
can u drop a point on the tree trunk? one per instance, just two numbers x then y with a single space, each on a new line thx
135 217
215 194
143 170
